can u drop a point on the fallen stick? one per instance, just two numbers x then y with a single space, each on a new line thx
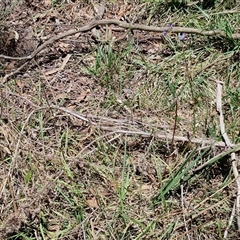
122 24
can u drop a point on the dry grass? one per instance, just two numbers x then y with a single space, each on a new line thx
70 169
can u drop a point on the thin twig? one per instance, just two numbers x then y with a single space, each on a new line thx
5 78
229 144
121 126
174 129
139 132
122 24
91 25
183 210
230 220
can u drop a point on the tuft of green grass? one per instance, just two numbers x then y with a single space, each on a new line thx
109 65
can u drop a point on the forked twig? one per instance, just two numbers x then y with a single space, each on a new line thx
95 23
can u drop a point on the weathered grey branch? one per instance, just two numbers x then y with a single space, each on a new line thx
126 25
122 24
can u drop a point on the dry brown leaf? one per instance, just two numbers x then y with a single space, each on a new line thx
82 96
20 84
71 107
65 60
7 150
40 15
10 66
52 71
145 187
121 12
65 47
124 10
47 2
60 96
92 202
54 228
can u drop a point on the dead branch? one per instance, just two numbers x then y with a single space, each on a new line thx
233 155
122 24
126 25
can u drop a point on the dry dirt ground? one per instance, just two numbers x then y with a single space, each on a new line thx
86 146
